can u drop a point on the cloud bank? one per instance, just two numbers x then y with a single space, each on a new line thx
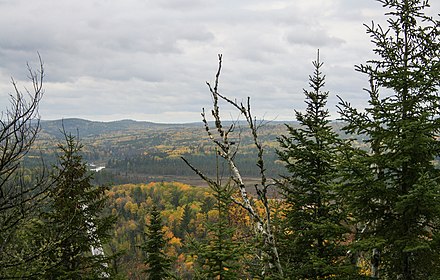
149 59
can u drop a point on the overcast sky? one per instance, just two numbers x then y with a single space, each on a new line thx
149 59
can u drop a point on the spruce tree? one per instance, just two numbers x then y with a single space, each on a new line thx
219 255
393 186
185 223
157 261
312 244
75 220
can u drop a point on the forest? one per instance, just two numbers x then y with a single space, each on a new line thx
310 198
139 152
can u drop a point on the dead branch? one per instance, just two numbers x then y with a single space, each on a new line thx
19 126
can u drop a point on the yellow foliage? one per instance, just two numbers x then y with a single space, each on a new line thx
187 261
183 187
131 225
163 147
128 186
178 151
110 194
131 207
168 234
175 241
213 215
120 200
171 215
149 202
195 207
364 267
171 251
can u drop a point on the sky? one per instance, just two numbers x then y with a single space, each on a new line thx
149 60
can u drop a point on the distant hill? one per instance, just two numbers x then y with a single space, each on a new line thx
88 128
139 151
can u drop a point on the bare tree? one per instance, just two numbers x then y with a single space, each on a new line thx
19 125
227 149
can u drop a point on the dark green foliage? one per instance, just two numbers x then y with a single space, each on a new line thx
219 254
393 187
185 223
313 233
165 165
158 263
74 220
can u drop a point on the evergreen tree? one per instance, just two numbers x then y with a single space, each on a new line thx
219 254
185 223
158 263
314 235
393 187
75 220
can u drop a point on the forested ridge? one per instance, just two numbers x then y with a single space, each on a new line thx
139 152
306 199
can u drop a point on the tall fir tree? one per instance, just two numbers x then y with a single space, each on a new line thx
75 220
220 255
393 187
158 263
185 222
313 232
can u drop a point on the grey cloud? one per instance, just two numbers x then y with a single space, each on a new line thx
182 5
150 58
306 35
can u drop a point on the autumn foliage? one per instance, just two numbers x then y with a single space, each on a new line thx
185 212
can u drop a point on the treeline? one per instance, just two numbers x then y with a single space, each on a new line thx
159 164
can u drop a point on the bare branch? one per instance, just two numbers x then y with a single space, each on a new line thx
19 125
